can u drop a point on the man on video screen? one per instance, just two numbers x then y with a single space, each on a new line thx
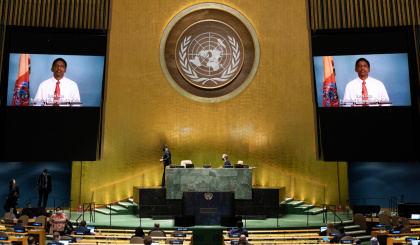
58 88
365 88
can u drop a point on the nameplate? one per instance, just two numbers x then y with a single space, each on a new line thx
208 210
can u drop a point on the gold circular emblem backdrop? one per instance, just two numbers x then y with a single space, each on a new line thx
209 52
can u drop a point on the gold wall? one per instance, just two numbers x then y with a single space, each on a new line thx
270 125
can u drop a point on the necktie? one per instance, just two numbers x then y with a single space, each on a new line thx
57 91
364 91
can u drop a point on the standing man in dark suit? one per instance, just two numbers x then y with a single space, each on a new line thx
13 197
44 187
166 159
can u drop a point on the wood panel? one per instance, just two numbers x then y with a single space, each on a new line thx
82 14
336 14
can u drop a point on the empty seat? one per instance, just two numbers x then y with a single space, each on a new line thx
137 240
406 230
359 219
405 221
41 219
384 219
25 219
394 219
9 215
157 233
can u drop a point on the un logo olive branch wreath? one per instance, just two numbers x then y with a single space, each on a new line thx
191 73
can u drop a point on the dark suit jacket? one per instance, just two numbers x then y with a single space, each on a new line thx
41 179
13 196
227 163
239 231
337 238
19 227
167 158
83 229
398 228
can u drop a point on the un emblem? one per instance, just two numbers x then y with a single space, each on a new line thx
208 196
209 52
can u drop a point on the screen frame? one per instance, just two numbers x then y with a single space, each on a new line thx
85 122
375 41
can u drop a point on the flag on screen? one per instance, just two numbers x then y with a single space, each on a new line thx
21 92
330 95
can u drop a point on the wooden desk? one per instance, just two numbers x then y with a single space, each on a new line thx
131 232
23 240
14 221
119 241
376 220
375 233
39 235
121 238
90 243
306 231
393 240
282 243
280 238
384 237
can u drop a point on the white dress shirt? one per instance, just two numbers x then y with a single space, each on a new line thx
375 88
69 92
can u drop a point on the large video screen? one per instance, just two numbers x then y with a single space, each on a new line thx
387 80
52 94
366 86
81 86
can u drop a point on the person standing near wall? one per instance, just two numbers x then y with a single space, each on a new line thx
166 160
12 197
44 187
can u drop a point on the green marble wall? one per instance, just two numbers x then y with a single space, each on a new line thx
179 180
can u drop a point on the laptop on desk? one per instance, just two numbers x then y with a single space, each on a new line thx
91 228
415 242
415 216
64 242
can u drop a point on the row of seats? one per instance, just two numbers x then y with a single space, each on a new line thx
122 237
303 236
25 218
384 219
